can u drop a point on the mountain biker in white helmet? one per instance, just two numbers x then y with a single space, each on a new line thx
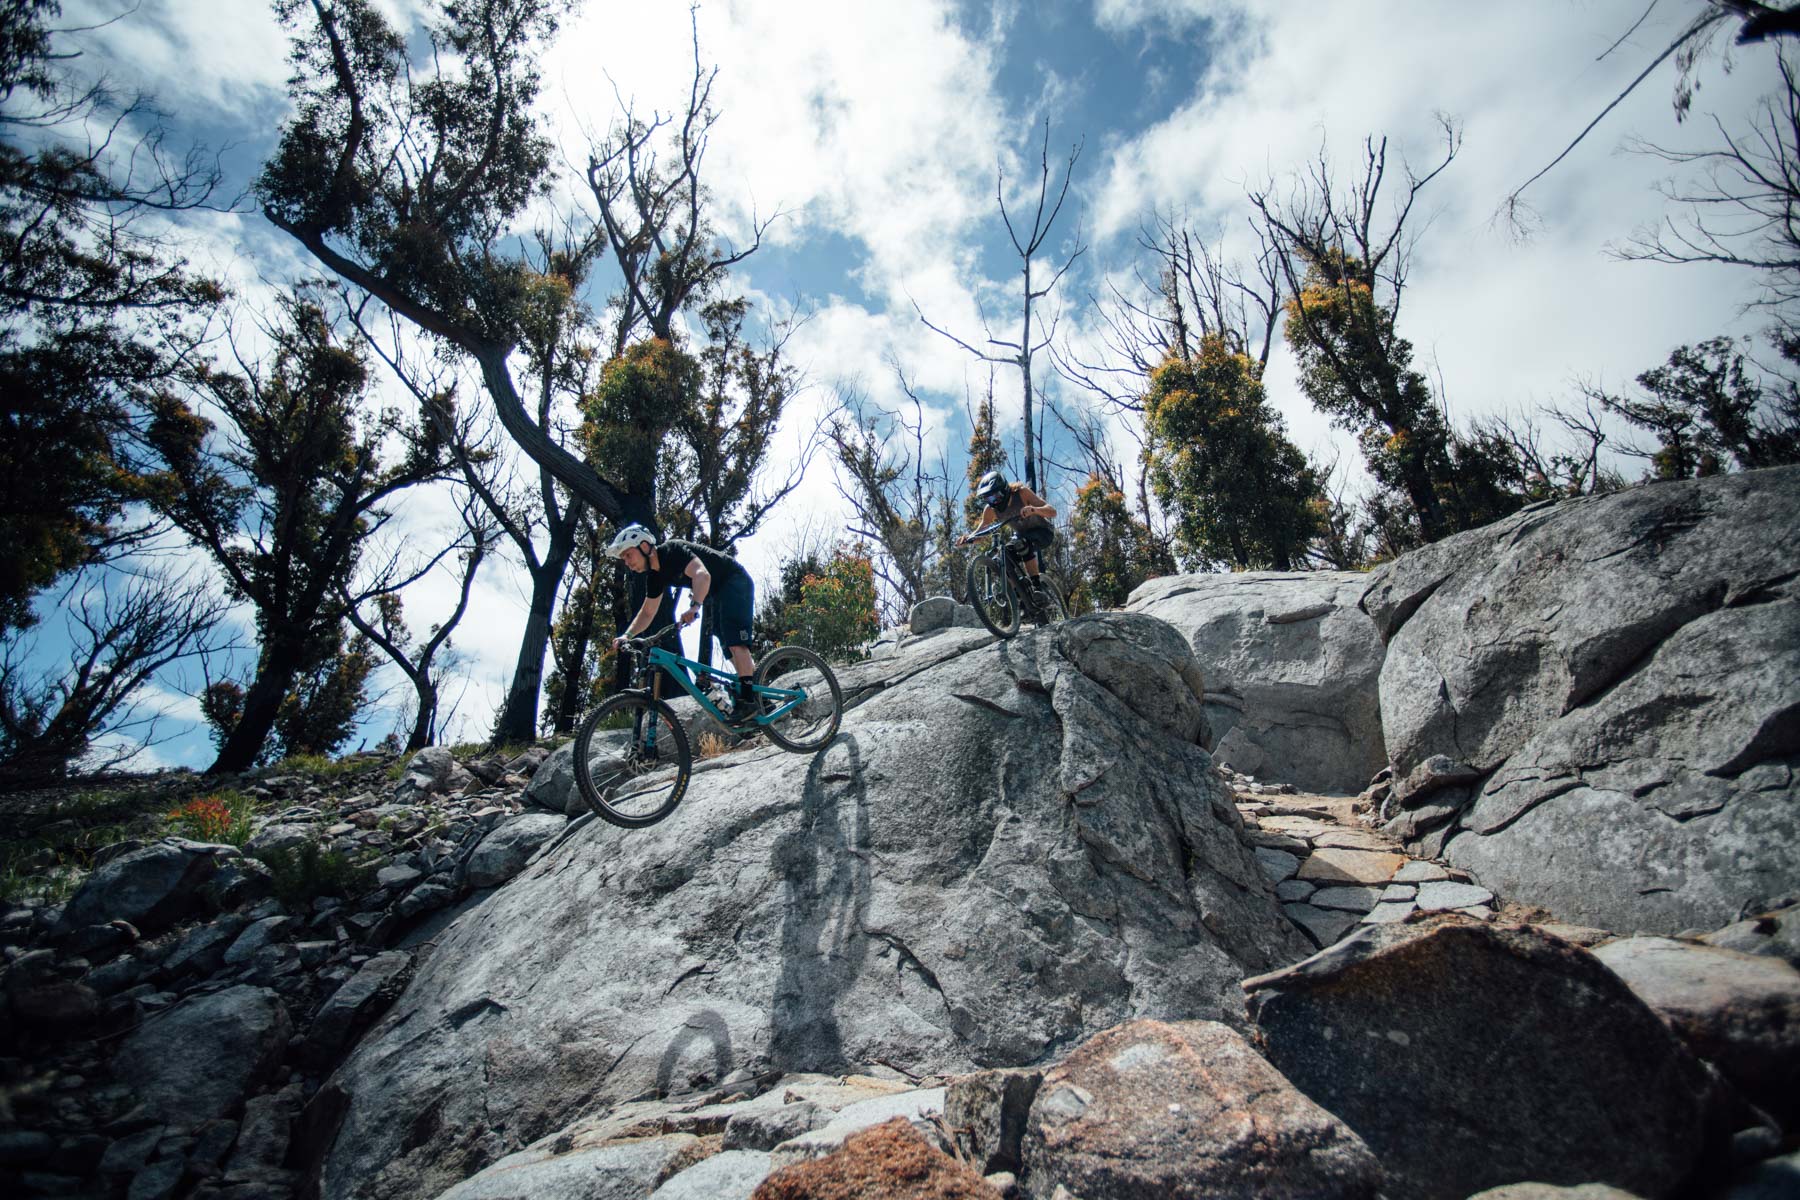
1004 500
705 572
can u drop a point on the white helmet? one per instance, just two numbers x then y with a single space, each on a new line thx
631 535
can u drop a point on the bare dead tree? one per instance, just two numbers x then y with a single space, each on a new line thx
652 209
1739 201
1559 466
892 491
1026 244
1756 23
417 659
123 631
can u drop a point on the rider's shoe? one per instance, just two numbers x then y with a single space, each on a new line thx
744 710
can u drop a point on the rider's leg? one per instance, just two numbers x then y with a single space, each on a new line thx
737 601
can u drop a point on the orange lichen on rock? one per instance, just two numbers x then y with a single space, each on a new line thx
892 1161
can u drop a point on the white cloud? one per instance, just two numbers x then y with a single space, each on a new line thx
1506 324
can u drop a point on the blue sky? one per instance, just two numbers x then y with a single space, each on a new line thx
877 129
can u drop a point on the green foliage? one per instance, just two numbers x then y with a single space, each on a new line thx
642 394
1111 551
303 873
1357 370
94 310
1712 409
474 155
318 766
284 507
320 710
833 610
985 454
48 852
1220 461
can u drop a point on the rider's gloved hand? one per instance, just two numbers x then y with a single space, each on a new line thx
690 616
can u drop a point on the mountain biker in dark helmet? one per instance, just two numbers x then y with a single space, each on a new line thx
1004 500
705 572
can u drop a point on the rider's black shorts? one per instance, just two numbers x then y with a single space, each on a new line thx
735 601
1039 539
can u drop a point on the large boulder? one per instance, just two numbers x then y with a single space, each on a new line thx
1739 1011
1469 1056
198 1060
615 1171
504 852
1007 848
1186 1110
1292 666
1621 675
152 887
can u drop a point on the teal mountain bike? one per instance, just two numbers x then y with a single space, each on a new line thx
632 758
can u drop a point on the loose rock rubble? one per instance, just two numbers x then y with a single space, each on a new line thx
167 1027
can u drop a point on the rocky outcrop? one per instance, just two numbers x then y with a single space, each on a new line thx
151 887
1740 1012
1291 667
1009 847
199 1059
1184 1110
1623 674
1499 1039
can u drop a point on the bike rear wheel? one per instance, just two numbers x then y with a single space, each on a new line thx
632 760
812 723
992 595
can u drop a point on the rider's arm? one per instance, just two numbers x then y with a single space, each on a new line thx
701 585
988 516
1032 501
646 613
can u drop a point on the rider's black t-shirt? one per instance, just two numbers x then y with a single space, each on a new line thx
670 571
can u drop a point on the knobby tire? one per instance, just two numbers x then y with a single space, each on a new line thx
618 779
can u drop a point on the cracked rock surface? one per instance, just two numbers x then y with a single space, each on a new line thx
1621 677
1292 666
1008 848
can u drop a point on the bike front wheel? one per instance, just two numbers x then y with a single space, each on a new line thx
992 595
817 702
632 760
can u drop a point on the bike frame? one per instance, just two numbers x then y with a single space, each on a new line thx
1013 550
661 663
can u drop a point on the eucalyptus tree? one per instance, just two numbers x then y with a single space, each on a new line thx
285 498
404 178
96 303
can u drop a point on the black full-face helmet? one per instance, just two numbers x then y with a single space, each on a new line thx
992 488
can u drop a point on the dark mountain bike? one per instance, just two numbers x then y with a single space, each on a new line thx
632 759
1002 593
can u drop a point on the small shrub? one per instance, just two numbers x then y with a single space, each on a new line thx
222 818
303 873
711 745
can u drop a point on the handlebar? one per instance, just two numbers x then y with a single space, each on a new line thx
989 530
644 642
